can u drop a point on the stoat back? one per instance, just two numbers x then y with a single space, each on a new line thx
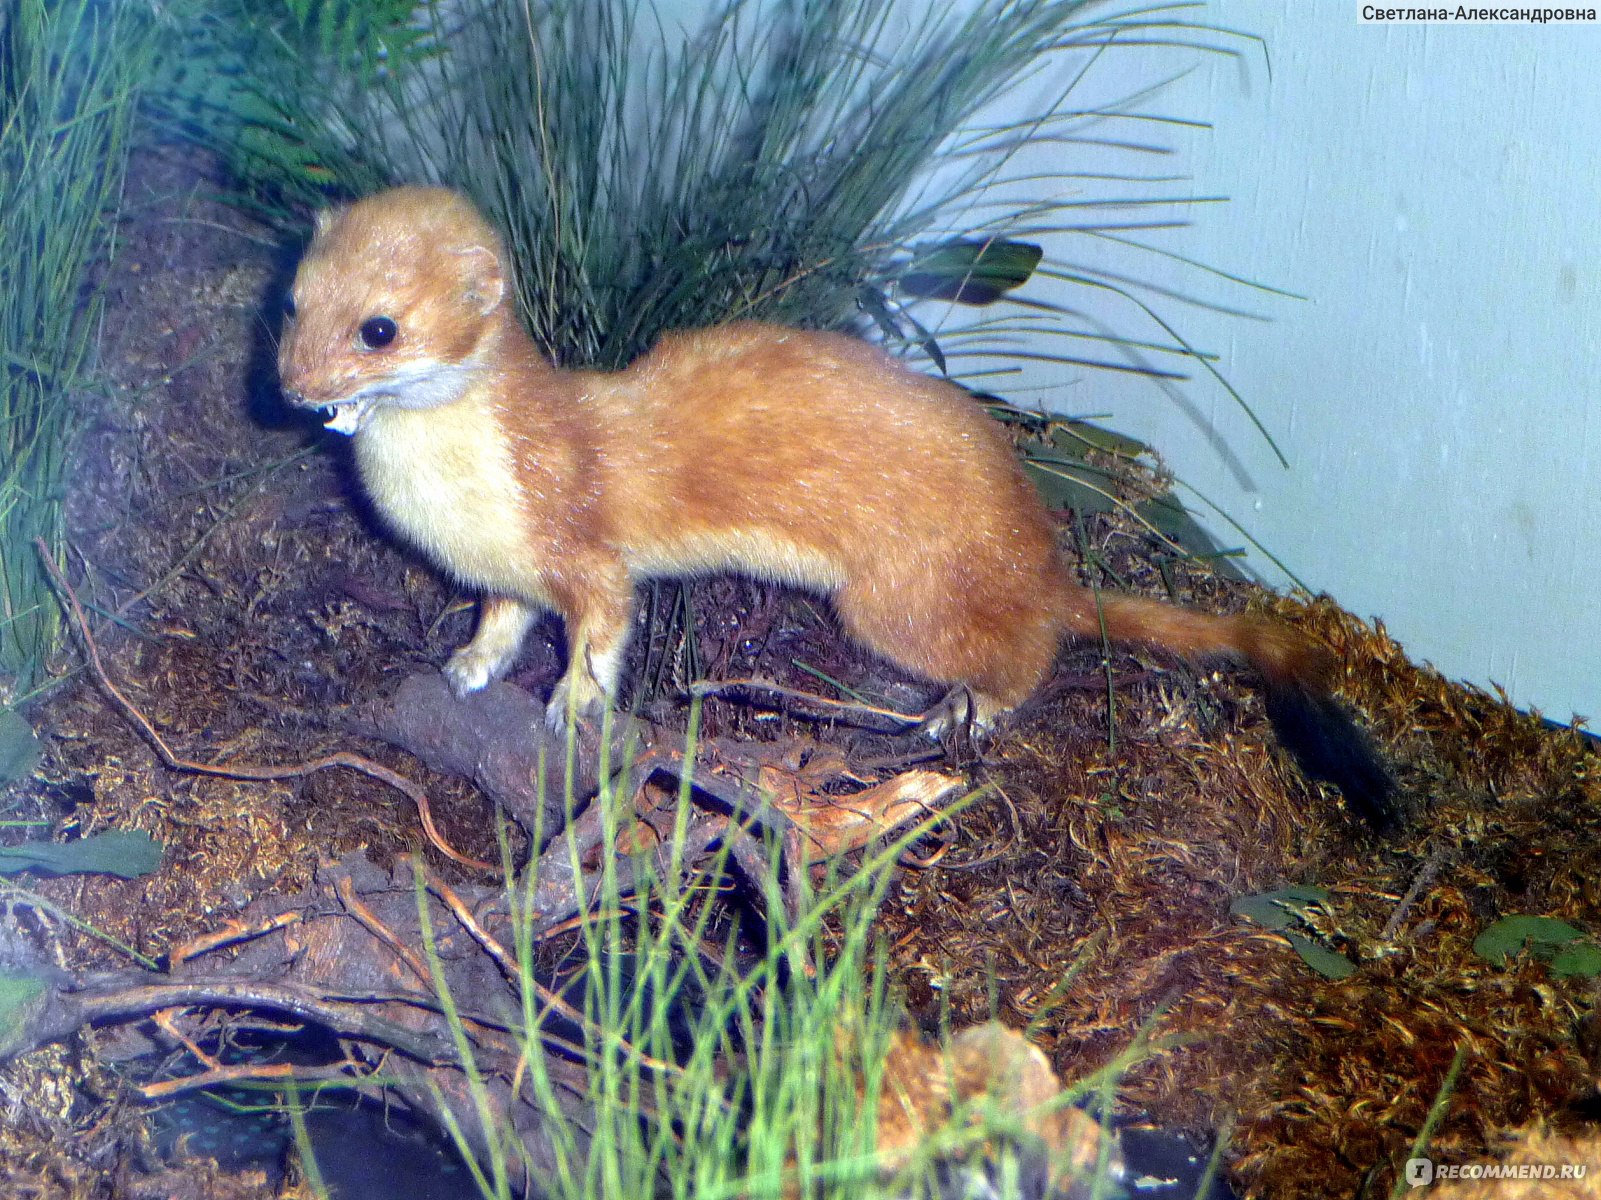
825 446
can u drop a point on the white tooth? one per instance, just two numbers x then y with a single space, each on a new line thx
348 417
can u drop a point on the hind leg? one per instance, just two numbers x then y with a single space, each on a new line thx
999 647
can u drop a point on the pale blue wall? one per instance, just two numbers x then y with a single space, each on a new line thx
1436 194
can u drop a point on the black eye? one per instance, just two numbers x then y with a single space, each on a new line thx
289 306
378 332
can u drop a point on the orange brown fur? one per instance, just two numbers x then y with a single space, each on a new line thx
801 457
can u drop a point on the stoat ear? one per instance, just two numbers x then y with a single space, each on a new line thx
327 218
484 281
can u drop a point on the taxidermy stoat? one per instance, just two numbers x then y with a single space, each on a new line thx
804 458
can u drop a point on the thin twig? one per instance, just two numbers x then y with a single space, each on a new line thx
73 1010
221 1076
866 715
230 932
1438 857
166 1019
514 973
368 920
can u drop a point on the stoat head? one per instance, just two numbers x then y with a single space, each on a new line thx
396 303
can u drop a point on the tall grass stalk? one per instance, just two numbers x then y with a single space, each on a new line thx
69 76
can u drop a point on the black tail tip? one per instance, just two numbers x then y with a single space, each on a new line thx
1328 744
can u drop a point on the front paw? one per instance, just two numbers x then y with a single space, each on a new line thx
470 670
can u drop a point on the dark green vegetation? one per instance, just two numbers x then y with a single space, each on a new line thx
70 74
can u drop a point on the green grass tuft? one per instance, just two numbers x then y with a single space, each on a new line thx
727 1049
69 75
788 160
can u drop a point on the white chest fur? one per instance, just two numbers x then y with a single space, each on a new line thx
443 478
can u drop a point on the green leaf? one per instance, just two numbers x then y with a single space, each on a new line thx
971 272
19 747
1063 473
1581 960
1322 960
1281 909
1172 520
20 999
1508 936
125 853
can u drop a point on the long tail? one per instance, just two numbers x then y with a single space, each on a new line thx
1313 726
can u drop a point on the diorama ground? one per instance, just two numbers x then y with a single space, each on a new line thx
247 604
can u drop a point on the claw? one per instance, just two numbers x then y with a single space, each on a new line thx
955 710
